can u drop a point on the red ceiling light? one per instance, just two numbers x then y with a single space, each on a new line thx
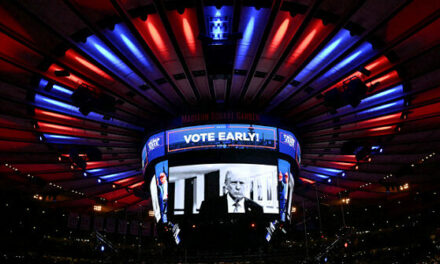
157 38
43 113
70 54
136 185
307 180
302 46
316 27
189 35
381 128
279 35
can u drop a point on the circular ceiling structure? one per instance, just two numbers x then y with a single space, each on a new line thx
83 83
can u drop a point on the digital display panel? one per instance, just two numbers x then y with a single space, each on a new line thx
155 199
161 170
288 143
238 136
155 146
216 190
285 188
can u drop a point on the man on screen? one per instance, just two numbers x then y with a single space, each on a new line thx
233 202
232 219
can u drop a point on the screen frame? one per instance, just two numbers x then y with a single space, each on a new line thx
297 149
218 156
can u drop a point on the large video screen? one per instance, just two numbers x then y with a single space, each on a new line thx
238 136
219 189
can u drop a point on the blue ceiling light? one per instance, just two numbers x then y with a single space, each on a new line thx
376 149
247 35
55 105
380 108
250 21
97 49
107 54
46 102
61 90
127 44
339 43
388 94
322 176
323 171
245 42
61 139
43 83
354 59
92 171
331 170
119 175
130 45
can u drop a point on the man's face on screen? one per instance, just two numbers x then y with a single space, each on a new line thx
235 186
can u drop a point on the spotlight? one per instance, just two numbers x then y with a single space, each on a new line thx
99 180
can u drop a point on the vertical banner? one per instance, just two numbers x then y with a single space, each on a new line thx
283 187
155 198
161 170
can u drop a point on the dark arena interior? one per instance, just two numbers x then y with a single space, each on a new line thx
220 131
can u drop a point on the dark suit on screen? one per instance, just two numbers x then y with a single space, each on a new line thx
216 210
237 230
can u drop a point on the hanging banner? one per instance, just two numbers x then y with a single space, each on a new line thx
222 136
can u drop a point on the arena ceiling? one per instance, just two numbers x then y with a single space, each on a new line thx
142 63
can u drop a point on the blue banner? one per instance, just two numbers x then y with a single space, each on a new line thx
155 146
288 143
161 170
283 187
238 136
